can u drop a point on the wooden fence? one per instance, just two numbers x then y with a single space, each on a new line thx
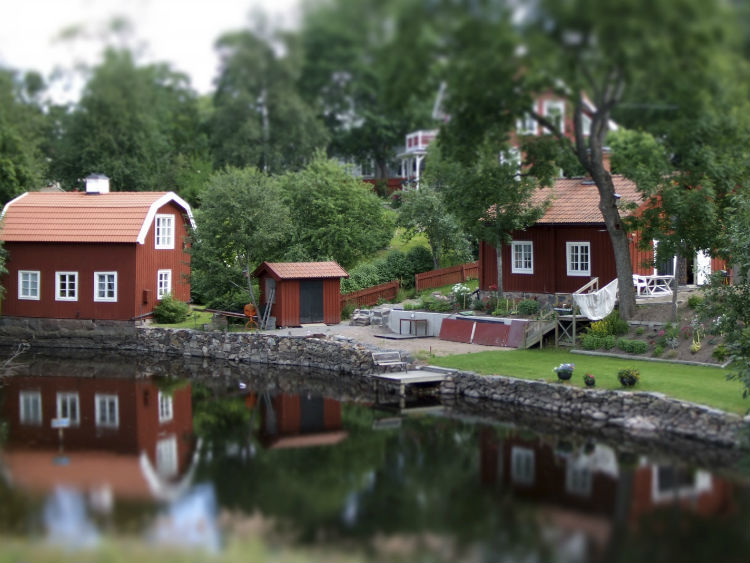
371 295
445 276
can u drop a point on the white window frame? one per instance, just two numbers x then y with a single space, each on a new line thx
97 295
527 125
573 267
163 283
166 456
164 230
549 105
30 408
578 478
585 124
515 268
522 465
59 295
29 295
166 407
105 418
63 403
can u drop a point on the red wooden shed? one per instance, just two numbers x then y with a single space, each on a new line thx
302 292
94 254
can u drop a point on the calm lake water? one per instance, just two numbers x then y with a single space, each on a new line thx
239 461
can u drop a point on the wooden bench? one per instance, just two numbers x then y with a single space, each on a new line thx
388 359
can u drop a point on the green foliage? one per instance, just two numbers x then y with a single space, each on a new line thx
170 310
335 216
593 342
721 352
658 350
629 377
436 305
528 307
632 346
347 310
694 301
419 259
242 221
612 324
640 331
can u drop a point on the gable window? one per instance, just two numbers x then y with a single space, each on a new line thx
526 125
30 406
66 286
578 258
28 284
523 257
554 111
107 411
67 407
105 286
166 412
164 231
163 283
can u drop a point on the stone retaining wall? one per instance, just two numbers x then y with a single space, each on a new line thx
648 415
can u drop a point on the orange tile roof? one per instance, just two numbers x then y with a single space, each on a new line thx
302 270
576 200
118 217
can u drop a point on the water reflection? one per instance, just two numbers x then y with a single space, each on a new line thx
209 463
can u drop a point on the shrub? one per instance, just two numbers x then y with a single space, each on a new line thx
612 324
694 301
632 346
170 310
590 342
721 352
347 310
420 260
437 305
628 377
528 307
640 331
658 350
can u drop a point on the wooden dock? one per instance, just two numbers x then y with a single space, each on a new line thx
402 379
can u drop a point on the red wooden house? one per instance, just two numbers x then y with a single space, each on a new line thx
94 255
301 292
570 245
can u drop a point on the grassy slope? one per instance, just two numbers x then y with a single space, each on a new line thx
698 384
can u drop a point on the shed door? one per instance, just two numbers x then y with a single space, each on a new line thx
310 301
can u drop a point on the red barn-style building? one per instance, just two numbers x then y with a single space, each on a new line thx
302 292
94 255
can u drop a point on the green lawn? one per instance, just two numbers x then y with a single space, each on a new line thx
698 384
196 319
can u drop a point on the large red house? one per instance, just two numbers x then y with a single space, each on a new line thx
94 254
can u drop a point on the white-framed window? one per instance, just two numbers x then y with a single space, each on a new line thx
105 286
30 407
578 478
28 284
107 410
166 412
578 258
523 257
166 456
526 125
585 124
554 111
522 465
163 283
164 231
68 407
66 286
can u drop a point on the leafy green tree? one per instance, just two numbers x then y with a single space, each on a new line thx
260 119
493 199
242 221
22 130
425 211
132 124
335 216
370 71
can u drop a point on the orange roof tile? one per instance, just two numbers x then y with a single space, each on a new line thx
121 217
576 200
302 270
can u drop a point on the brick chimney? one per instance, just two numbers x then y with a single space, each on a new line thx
97 184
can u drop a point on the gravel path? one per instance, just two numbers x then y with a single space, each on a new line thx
367 336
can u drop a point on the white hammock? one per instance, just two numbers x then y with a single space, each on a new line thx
598 304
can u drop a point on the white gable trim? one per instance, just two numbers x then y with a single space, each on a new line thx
11 202
166 198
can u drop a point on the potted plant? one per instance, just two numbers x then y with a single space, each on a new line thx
564 371
589 380
628 377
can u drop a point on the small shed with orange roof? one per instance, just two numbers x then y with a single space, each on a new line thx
301 292
95 254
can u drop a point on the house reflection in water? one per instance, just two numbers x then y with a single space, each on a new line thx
298 421
586 494
126 438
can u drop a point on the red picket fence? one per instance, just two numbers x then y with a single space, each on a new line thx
445 276
371 295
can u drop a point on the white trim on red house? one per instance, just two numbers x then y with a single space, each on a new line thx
166 198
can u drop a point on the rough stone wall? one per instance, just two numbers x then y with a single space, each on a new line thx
648 415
